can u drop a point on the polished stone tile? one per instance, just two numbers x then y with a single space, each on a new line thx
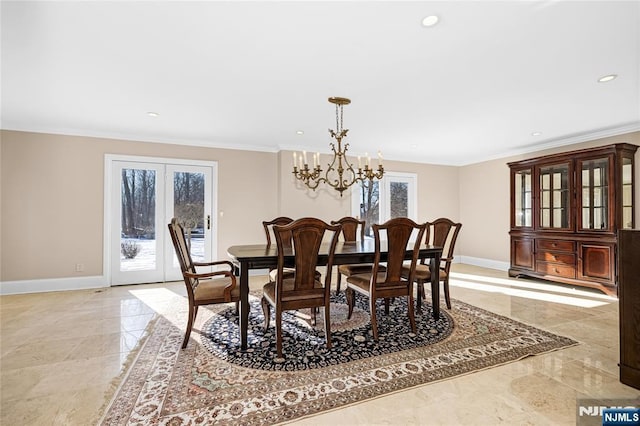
63 353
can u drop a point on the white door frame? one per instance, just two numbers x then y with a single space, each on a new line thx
108 207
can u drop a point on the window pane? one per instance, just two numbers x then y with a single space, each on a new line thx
399 199
370 204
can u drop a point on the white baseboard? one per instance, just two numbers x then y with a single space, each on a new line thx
485 263
84 283
52 284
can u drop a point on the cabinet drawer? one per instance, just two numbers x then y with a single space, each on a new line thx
557 269
556 245
554 256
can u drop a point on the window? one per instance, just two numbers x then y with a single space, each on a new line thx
378 201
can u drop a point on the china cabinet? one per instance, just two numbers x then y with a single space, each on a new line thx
566 210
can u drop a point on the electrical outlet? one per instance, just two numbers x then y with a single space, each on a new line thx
79 267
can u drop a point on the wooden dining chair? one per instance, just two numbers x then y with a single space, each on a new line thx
352 228
268 231
303 289
441 232
388 284
205 288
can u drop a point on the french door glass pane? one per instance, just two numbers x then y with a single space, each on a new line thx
188 207
138 214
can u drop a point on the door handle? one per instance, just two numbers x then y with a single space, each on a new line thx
208 221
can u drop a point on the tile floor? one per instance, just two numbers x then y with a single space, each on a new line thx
62 354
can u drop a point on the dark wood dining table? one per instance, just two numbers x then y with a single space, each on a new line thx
259 256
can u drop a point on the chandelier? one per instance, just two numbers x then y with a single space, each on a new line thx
340 173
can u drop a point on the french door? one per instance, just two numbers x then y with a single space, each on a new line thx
144 196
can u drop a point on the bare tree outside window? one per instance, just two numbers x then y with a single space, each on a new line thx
370 204
188 189
399 199
138 203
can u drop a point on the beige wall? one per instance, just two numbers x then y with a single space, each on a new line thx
484 200
51 199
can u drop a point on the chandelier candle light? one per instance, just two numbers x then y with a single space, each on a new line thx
340 173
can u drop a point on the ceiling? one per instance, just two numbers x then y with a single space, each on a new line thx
250 75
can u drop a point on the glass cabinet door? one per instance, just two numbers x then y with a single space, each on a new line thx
594 194
627 193
522 193
554 196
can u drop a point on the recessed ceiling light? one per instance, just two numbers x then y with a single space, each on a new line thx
152 114
430 21
607 78
299 132
536 133
414 146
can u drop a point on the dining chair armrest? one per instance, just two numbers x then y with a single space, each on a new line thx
201 275
217 262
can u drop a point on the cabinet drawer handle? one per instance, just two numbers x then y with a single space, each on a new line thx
556 270
553 257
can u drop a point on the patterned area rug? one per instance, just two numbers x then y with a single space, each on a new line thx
304 345
211 381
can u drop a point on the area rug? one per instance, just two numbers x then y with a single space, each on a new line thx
211 381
